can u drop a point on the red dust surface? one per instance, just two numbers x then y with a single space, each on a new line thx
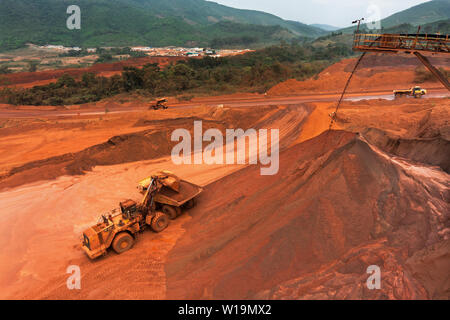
375 191
58 210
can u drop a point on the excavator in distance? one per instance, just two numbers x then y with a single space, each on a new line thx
159 104
165 197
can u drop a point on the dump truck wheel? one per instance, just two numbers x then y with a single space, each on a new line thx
160 222
170 211
122 242
190 204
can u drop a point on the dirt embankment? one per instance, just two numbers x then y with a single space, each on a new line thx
155 142
336 207
143 145
376 72
433 151
409 128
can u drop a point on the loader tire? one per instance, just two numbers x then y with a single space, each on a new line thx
122 242
171 212
160 222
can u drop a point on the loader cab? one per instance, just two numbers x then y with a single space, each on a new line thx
128 209
86 241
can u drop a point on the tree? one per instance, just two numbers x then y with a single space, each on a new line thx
152 77
66 81
4 69
32 66
133 78
88 79
104 57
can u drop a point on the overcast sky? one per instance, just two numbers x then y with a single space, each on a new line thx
339 13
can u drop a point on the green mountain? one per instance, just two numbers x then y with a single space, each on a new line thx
142 22
325 27
442 27
420 15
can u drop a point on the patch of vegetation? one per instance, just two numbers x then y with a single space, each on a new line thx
32 66
329 36
4 69
4 81
104 58
254 72
423 75
187 97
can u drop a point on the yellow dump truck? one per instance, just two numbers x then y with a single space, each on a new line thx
416 92
165 197
174 194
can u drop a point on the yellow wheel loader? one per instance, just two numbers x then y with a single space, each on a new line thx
165 196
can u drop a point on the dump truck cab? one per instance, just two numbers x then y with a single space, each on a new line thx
418 91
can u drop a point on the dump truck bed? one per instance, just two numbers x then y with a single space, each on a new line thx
187 192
